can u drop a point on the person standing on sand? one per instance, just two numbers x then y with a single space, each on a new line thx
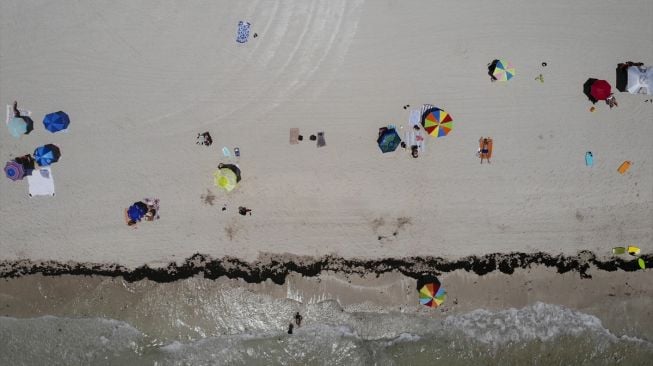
298 319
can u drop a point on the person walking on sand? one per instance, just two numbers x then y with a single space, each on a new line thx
298 319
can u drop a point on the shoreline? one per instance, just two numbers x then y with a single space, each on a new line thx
178 309
277 267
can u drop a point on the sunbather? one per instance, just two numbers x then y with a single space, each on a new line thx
485 150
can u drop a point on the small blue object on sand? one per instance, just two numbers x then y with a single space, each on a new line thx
589 158
237 151
243 31
226 152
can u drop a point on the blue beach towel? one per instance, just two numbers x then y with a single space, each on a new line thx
243 31
589 158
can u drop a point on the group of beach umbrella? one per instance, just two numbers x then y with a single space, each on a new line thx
43 156
435 121
438 122
53 122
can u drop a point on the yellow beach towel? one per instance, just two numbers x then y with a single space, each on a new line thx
632 250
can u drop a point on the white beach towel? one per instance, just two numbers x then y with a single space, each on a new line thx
10 113
41 182
415 117
411 139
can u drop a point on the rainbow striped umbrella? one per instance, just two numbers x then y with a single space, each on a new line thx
431 293
437 122
502 70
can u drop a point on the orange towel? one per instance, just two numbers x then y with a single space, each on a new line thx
489 147
623 168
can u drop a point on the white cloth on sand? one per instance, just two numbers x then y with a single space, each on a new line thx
10 113
415 118
415 138
41 182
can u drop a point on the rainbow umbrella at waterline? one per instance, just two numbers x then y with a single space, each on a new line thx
431 293
437 122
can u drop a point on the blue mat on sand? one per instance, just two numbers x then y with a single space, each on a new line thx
243 31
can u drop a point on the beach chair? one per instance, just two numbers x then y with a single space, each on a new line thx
41 182
320 139
294 136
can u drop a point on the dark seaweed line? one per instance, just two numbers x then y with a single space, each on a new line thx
278 267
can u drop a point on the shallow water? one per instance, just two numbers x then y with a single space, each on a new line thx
238 327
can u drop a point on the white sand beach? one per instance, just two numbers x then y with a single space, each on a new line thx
140 80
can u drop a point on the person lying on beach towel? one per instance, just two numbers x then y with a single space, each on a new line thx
485 144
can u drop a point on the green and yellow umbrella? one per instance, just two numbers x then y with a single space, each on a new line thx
431 293
437 122
226 177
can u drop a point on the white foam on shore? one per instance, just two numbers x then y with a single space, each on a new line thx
538 321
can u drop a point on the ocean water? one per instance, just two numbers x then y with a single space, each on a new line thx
251 330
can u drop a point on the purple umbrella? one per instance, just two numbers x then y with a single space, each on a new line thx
14 170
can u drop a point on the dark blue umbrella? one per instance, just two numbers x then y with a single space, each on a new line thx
46 154
389 140
56 121
137 211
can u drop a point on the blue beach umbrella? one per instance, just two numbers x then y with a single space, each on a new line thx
17 126
46 154
389 140
56 121
137 211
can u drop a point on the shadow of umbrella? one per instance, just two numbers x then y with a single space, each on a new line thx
587 90
233 168
30 124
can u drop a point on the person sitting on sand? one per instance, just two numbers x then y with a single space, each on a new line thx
414 152
244 211
16 111
612 101
27 161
